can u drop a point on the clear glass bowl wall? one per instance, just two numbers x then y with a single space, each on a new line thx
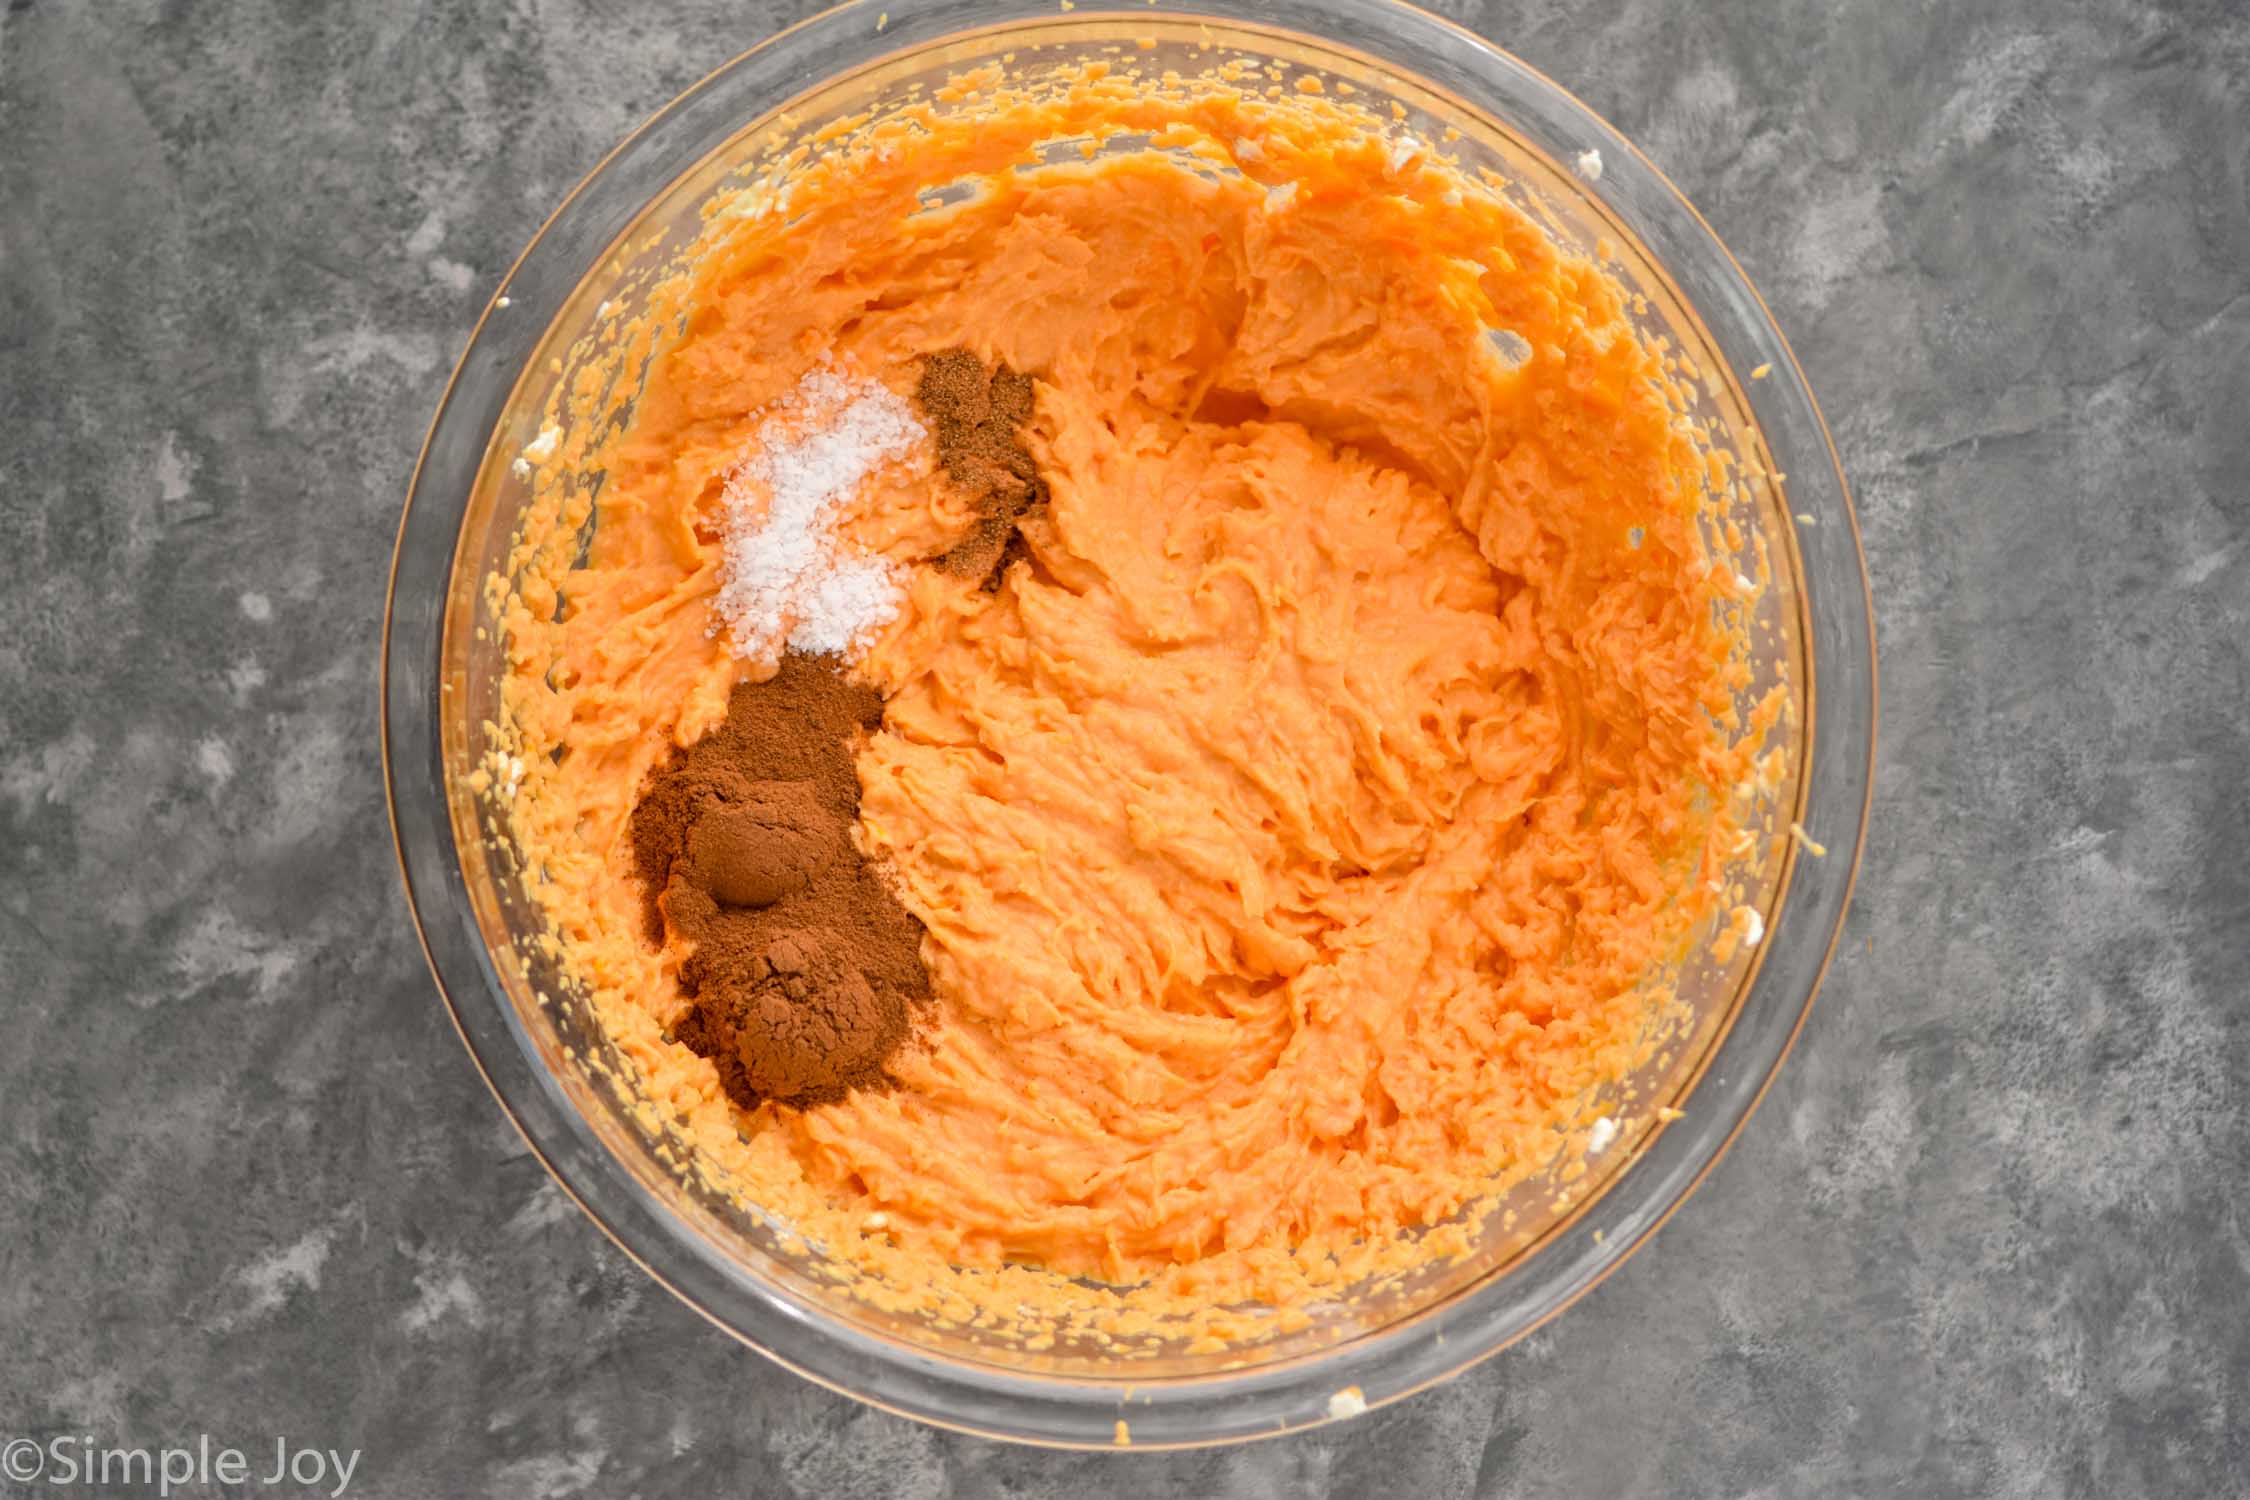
518 1015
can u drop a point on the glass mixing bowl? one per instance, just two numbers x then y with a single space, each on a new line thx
443 661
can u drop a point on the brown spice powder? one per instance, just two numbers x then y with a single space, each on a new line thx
804 966
977 413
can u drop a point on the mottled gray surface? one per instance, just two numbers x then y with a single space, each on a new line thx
1985 1236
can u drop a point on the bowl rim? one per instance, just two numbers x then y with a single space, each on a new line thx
1037 1408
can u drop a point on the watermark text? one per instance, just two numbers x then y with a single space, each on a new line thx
77 1459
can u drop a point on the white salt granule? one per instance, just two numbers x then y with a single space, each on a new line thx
844 602
1598 1139
782 576
1589 164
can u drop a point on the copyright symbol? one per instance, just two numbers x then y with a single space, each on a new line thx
23 1460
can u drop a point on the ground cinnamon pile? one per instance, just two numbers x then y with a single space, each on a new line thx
804 965
977 413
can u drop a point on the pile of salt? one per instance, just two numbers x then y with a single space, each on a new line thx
783 578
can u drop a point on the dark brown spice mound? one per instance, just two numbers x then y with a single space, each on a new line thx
804 964
977 413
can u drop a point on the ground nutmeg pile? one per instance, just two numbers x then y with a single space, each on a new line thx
977 412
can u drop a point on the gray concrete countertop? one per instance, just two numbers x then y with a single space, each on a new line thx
1986 1236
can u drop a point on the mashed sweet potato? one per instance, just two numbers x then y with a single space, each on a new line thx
1306 823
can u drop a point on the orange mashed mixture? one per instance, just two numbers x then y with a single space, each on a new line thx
1304 833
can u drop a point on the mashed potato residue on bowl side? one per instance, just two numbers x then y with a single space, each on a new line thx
1305 827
